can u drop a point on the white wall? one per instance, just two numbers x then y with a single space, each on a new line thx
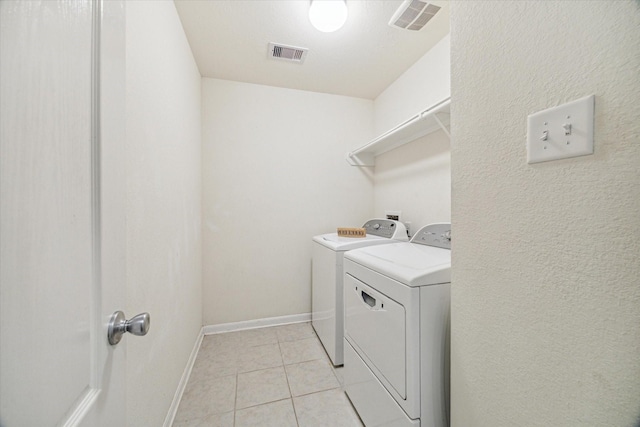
425 83
163 206
274 175
546 271
416 178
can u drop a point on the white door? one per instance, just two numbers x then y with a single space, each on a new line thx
61 212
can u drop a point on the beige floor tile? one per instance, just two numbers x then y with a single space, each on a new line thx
275 414
203 399
217 343
327 408
210 365
259 357
254 337
310 377
218 420
294 332
255 372
257 387
339 371
302 351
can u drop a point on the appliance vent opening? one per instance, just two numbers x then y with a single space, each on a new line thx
287 53
413 15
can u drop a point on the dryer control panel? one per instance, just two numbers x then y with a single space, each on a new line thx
386 228
438 235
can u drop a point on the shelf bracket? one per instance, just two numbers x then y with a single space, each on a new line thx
361 159
444 128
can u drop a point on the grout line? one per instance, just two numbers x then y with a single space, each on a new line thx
235 400
319 391
284 368
264 403
295 414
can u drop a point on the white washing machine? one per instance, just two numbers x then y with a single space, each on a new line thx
396 330
327 308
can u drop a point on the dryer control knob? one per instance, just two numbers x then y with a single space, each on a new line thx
376 226
447 235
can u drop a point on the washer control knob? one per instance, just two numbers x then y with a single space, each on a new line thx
447 235
376 226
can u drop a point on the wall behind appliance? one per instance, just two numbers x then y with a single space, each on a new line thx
545 327
415 178
164 268
425 83
274 175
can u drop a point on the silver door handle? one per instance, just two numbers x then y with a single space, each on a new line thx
118 325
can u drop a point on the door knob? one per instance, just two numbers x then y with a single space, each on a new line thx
118 325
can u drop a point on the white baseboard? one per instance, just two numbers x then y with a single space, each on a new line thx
257 323
173 409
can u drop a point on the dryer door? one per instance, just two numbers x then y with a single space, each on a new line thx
375 325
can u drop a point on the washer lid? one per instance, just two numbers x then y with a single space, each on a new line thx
338 243
379 231
410 263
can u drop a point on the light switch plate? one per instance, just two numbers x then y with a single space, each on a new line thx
561 132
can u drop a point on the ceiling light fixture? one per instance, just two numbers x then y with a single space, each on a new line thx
328 15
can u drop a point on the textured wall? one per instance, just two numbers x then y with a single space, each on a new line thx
415 178
274 175
546 271
163 206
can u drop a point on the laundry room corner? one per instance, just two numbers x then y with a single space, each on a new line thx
274 175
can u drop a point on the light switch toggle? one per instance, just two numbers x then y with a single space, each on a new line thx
545 135
567 128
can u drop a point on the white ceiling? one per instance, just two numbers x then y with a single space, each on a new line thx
229 41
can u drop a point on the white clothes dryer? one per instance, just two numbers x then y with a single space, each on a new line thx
397 301
327 308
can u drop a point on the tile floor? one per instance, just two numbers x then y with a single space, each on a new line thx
278 376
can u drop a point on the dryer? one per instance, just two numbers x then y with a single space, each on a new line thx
327 308
397 299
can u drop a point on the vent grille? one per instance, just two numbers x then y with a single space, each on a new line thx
413 15
287 53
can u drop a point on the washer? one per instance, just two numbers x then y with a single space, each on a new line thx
396 330
327 309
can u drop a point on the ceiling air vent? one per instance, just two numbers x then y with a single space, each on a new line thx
287 53
413 15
